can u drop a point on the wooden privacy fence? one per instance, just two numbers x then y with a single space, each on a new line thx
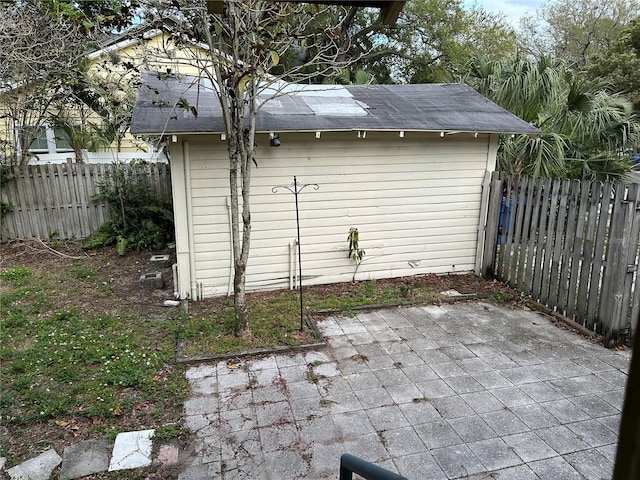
54 200
571 245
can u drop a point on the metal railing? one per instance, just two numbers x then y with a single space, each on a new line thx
350 465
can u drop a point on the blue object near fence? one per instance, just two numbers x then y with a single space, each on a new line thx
503 227
350 465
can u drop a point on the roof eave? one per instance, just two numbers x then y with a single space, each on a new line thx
356 129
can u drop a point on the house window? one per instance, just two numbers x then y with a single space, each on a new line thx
50 140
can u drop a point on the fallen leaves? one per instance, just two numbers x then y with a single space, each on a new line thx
71 427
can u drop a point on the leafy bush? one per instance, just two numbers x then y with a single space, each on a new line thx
5 176
141 219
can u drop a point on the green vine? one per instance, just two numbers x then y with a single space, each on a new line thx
355 252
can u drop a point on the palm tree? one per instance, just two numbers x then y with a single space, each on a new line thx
584 126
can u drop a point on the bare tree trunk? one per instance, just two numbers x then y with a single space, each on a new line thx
240 249
240 300
245 43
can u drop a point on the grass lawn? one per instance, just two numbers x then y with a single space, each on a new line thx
79 358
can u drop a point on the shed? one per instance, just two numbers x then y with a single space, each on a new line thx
404 164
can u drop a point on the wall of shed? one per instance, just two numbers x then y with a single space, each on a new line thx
415 201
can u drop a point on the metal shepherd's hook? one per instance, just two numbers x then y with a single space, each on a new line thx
296 188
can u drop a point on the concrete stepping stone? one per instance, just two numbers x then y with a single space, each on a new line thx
38 468
168 454
85 458
132 450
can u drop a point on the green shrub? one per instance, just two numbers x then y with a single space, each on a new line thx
5 177
141 219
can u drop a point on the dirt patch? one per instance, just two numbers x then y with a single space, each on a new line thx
114 287
470 286
113 280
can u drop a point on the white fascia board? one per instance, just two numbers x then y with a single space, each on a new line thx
122 44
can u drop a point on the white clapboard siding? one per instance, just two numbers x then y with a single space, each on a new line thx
415 201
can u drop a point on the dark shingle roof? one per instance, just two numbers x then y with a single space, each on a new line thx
425 107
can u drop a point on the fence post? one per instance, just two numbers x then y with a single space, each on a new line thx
612 311
491 231
631 297
482 222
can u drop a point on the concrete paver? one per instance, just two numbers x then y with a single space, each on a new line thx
37 468
431 392
132 450
84 458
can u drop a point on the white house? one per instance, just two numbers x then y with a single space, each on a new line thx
404 164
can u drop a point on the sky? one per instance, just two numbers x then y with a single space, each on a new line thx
513 9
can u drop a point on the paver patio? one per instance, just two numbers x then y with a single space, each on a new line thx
431 392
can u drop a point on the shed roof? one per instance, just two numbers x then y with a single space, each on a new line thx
295 108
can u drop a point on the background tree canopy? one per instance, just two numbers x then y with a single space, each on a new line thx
619 63
584 125
575 31
430 41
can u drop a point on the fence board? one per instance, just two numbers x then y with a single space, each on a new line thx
513 236
517 238
59 207
24 218
482 223
588 250
548 245
493 219
558 241
55 200
540 247
569 245
635 304
616 267
101 209
505 234
578 250
598 255
533 201
83 198
524 229
34 210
